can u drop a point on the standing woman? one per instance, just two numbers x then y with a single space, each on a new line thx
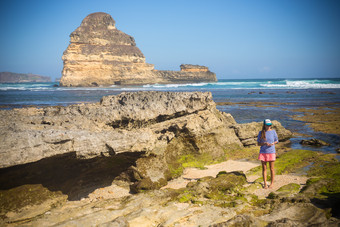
267 139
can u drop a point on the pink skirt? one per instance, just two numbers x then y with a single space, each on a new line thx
267 157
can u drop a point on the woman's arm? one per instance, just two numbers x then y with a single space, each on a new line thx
264 143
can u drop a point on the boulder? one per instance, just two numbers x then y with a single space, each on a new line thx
314 142
289 189
248 132
296 214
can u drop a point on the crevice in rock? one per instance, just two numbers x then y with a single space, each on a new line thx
46 123
60 142
74 177
192 141
110 150
173 128
128 123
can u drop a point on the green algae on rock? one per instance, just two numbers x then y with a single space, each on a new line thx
289 189
291 161
322 119
223 190
27 201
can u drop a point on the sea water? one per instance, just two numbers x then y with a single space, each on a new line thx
287 94
302 90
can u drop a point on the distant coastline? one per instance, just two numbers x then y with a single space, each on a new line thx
9 77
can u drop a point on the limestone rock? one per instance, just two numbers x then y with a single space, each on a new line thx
28 201
193 68
118 124
185 76
158 127
248 133
314 142
241 220
100 54
161 207
303 214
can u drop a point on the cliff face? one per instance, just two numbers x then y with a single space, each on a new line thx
100 54
193 68
8 77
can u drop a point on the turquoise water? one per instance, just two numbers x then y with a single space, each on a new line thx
287 93
17 95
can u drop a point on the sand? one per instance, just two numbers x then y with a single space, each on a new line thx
193 174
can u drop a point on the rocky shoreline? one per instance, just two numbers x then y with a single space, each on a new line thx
83 165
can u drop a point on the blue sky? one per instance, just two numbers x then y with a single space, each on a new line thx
235 39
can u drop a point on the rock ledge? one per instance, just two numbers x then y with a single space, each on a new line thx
158 127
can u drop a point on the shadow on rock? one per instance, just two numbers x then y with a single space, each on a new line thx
74 177
330 201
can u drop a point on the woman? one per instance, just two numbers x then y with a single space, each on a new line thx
267 139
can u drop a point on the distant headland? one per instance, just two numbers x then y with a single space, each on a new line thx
100 54
9 77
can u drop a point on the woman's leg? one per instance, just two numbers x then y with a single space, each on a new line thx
272 173
264 173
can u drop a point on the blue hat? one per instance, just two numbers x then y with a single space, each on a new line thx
267 122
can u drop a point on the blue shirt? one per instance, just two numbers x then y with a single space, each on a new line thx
271 137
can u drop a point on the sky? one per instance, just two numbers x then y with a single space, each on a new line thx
236 39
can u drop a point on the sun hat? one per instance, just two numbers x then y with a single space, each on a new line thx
267 122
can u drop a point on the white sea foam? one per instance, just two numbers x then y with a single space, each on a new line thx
231 84
12 88
302 84
175 85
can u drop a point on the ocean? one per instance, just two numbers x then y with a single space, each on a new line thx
288 94
46 94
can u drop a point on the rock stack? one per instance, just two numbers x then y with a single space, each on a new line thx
100 54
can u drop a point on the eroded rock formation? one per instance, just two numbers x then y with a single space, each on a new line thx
100 54
159 127
193 68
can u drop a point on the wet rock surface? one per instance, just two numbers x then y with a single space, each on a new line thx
314 142
210 201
